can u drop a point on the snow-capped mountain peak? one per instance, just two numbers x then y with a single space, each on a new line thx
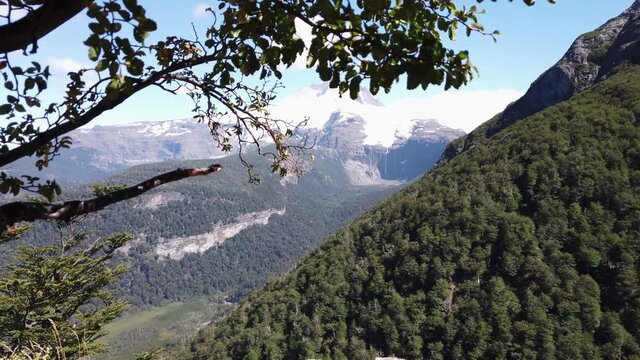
342 118
166 128
381 125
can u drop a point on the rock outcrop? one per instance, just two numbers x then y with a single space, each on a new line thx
410 155
591 58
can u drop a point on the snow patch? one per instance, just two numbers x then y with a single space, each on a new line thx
384 122
177 248
157 200
165 128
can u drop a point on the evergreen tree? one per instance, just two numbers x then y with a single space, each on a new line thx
54 297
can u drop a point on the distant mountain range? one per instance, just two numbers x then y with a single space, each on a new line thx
102 151
374 150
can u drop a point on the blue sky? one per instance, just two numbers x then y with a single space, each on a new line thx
531 40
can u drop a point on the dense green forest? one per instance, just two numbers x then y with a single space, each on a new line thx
317 204
526 246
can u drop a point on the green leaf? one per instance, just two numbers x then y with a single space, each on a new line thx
375 6
148 25
41 83
354 87
131 5
311 60
139 34
125 15
135 67
413 81
29 83
442 24
93 40
94 53
325 73
114 87
101 65
5 109
4 187
96 28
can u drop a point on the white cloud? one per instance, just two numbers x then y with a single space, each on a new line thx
460 109
64 65
456 109
200 10
303 30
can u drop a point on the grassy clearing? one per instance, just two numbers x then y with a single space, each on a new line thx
144 330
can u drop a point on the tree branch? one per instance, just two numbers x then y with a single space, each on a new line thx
18 211
38 23
103 105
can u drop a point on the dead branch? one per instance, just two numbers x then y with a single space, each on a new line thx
19 211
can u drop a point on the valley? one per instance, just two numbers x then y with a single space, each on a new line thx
343 220
219 234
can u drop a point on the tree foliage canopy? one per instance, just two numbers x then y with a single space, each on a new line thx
374 42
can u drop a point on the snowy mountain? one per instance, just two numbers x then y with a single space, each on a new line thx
380 124
144 142
376 143
102 151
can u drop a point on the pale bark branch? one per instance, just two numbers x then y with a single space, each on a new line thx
19 211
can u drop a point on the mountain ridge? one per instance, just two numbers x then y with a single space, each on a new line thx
590 59
103 151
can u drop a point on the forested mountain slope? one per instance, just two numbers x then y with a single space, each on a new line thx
525 246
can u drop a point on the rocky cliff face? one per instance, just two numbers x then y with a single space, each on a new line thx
409 156
591 58
413 155
344 132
